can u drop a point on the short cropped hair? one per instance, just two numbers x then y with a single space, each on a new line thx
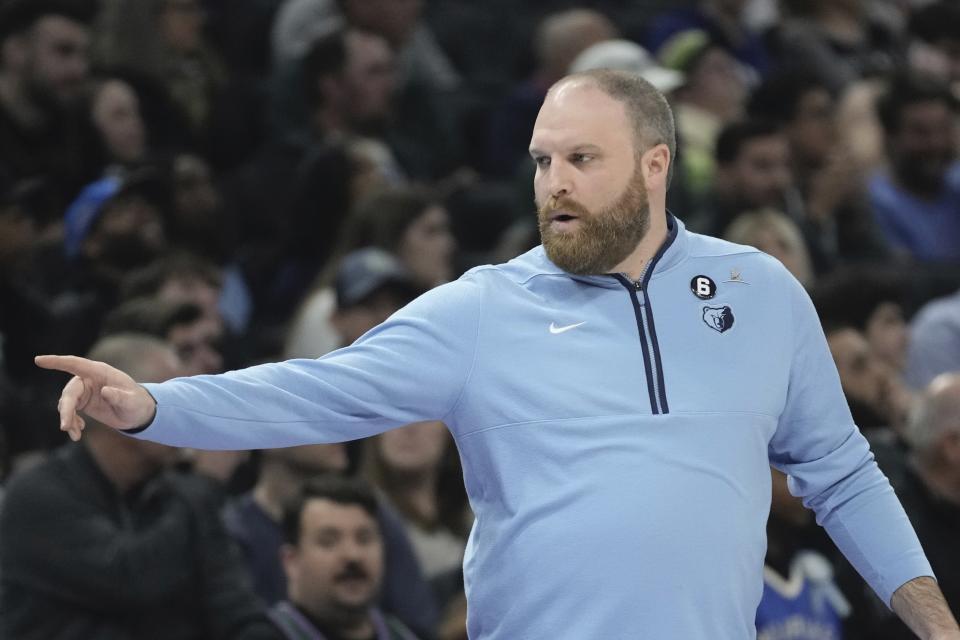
933 414
849 296
735 136
908 89
131 353
778 96
339 489
150 316
149 280
647 107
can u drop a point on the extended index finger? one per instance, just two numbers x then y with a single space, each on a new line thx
71 364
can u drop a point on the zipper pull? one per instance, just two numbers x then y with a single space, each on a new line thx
638 286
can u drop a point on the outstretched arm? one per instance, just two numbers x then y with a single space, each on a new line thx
921 606
413 367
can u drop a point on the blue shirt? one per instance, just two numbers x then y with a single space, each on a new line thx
615 436
928 230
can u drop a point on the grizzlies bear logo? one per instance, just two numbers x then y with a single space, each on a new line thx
718 318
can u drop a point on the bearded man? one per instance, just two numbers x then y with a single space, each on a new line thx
617 396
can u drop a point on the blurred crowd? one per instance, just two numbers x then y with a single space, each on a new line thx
194 186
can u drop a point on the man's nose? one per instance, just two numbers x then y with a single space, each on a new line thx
353 550
559 182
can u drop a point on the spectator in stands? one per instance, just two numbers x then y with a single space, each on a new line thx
916 202
867 383
117 224
290 201
723 20
370 285
198 225
254 518
872 300
558 40
300 22
115 112
44 66
773 232
163 40
350 77
930 493
711 97
878 401
934 345
753 172
101 541
334 561
255 522
181 325
424 131
836 218
178 278
839 40
412 225
416 469
114 225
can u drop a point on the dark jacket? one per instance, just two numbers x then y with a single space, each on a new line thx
81 561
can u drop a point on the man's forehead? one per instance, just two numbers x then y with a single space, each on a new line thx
58 26
578 116
323 513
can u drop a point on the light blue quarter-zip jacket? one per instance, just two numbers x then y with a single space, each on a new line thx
615 436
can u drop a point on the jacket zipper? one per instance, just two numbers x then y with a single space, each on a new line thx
648 338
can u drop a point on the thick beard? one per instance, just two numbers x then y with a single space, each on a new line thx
605 238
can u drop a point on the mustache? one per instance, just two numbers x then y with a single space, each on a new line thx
567 205
352 570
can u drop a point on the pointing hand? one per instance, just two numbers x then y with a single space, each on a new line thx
100 391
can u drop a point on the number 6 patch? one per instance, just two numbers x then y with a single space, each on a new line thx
703 287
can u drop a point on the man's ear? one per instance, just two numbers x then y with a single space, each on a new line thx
655 164
288 558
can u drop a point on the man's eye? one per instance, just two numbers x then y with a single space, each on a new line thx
542 161
580 158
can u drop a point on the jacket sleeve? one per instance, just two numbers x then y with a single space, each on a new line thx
830 465
411 368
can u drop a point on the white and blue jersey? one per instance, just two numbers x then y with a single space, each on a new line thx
805 605
615 436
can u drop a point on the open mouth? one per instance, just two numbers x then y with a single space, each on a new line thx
562 217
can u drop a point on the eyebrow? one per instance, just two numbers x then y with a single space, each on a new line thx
577 149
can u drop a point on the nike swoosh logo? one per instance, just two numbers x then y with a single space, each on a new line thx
554 329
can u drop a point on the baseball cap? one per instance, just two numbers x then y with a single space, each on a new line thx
83 212
365 271
624 55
